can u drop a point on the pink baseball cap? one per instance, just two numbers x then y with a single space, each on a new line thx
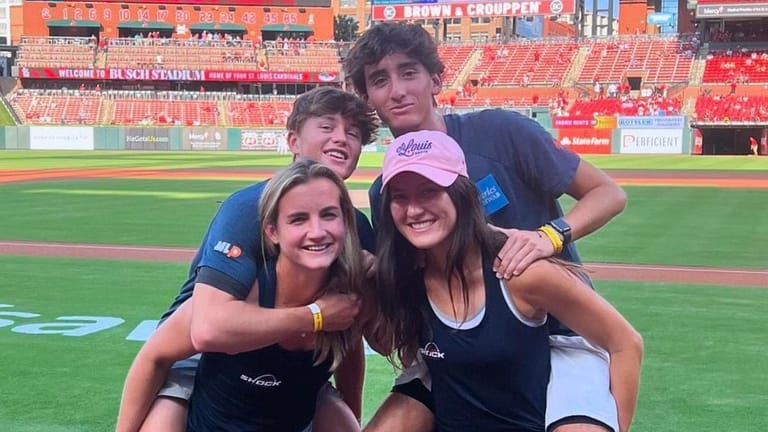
431 154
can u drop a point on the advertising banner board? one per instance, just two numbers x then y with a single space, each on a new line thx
60 138
651 141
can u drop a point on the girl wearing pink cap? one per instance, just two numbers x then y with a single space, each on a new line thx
484 340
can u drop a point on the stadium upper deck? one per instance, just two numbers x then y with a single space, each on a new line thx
134 77
200 63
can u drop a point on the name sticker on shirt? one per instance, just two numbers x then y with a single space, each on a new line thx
491 195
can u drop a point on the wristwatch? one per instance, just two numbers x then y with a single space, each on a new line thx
562 228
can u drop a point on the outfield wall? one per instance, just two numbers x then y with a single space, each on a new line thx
631 135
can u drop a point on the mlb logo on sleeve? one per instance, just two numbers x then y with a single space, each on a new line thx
228 249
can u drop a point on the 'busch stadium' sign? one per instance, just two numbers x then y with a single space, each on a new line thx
139 74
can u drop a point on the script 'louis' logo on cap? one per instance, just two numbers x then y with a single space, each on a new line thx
431 154
413 148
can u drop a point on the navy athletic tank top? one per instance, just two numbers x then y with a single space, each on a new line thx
266 390
490 377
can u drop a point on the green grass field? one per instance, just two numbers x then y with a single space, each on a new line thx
677 226
5 117
25 159
704 366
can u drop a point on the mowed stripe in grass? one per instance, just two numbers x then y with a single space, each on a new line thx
684 226
703 369
112 211
661 225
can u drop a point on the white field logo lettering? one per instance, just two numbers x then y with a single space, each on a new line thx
31 323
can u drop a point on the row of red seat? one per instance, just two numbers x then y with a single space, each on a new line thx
87 109
736 66
40 107
627 106
524 64
516 63
656 60
732 108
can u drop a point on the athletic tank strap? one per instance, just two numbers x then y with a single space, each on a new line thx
492 293
267 284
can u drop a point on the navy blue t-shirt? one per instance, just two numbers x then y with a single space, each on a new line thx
230 255
518 168
266 390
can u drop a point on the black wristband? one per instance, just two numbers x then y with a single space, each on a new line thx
562 228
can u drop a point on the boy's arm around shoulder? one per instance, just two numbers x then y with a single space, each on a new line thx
599 199
222 323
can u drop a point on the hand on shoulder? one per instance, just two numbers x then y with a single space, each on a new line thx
521 249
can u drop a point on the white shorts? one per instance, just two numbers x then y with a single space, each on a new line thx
579 382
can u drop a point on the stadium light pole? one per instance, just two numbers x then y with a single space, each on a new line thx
578 20
596 13
507 29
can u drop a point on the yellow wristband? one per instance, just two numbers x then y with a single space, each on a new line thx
553 236
317 317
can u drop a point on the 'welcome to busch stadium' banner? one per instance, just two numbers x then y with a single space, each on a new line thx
176 75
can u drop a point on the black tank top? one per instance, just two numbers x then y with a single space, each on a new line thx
492 377
267 390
